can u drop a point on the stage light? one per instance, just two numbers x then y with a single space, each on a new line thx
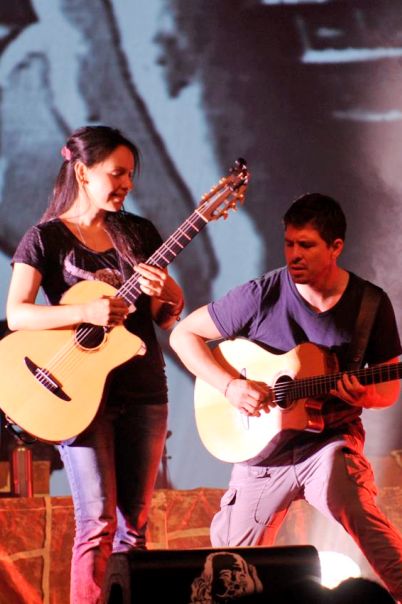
336 567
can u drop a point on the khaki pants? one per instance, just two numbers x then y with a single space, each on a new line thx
337 480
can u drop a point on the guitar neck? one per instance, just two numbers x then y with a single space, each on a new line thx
215 204
317 386
166 253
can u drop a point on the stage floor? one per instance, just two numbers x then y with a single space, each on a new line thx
37 534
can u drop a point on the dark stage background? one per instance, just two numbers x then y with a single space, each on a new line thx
308 92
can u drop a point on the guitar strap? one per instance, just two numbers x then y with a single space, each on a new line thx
368 309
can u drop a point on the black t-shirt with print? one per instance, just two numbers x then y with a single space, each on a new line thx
63 260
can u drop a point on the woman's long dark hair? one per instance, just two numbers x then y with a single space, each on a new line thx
92 145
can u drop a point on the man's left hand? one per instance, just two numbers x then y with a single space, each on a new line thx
350 390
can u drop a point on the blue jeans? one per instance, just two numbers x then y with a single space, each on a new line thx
112 468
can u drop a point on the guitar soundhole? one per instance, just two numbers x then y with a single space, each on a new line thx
282 391
88 336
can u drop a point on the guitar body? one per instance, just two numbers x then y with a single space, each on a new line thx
52 381
80 372
233 437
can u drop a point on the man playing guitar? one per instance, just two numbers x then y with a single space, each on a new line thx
311 300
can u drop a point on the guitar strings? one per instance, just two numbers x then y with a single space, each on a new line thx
167 247
130 288
319 385
190 223
61 359
312 385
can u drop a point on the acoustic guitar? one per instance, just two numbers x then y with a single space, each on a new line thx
300 379
53 381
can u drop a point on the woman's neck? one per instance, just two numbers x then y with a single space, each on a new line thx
90 230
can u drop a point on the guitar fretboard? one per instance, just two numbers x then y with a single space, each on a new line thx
214 205
166 253
320 385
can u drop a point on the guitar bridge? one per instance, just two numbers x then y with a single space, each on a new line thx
44 378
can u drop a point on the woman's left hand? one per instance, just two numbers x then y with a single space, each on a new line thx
156 282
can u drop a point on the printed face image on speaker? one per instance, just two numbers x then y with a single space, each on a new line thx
208 575
226 575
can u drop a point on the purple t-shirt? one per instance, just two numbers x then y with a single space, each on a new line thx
270 311
63 260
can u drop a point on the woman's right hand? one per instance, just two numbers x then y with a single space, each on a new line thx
107 311
24 313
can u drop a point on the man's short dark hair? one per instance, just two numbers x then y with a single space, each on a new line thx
321 211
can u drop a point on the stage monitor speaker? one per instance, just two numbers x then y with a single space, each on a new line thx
207 575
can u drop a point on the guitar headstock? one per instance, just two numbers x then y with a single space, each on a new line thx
229 192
